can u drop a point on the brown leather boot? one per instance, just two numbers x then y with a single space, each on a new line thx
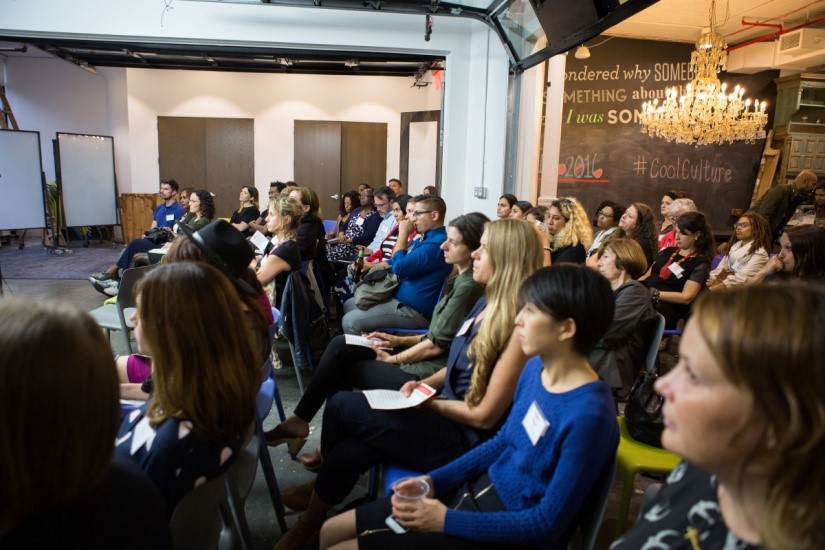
297 498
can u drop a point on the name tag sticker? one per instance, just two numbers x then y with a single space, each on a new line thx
170 217
677 270
465 327
534 423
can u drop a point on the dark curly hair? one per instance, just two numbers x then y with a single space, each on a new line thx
207 203
618 210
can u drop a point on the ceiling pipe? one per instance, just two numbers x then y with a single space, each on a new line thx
776 34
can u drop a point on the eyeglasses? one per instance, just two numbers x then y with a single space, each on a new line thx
380 204
741 225
604 214
419 213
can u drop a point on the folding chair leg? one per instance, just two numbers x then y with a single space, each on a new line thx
269 475
628 478
127 340
279 406
239 516
297 370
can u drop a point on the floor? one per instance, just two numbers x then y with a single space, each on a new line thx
260 514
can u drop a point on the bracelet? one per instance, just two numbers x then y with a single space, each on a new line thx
547 248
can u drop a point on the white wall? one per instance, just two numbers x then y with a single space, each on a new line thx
41 100
476 76
274 101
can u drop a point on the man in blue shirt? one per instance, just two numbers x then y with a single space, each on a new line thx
421 267
382 199
165 215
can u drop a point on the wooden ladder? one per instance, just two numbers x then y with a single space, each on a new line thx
7 121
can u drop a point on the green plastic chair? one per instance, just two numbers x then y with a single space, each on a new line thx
632 458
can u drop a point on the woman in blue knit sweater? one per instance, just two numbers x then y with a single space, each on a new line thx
527 484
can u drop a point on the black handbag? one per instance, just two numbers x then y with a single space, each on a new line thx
158 235
643 412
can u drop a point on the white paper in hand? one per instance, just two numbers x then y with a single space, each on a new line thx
355 340
388 400
259 241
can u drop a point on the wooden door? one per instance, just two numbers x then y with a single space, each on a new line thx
216 154
363 154
318 161
230 160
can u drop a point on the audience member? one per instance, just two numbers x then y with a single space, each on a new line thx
520 209
505 205
570 231
183 199
285 256
744 408
363 187
202 208
637 223
221 246
344 367
205 378
421 267
518 488
680 272
348 203
802 256
819 204
430 190
664 209
676 209
477 388
310 234
538 216
607 219
275 189
747 252
396 186
779 203
60 486
383 198
247 212
360 230
620 352
165 216
383 253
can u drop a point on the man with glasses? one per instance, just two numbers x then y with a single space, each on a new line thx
382 199
421 267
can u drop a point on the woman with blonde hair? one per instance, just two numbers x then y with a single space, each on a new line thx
744 408
747 252
282 221
476 390
205 378
569 230
59 484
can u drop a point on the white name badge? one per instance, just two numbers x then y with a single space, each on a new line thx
170 217
677 270
534 423
359 221
465 327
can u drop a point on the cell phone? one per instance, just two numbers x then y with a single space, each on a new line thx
394 525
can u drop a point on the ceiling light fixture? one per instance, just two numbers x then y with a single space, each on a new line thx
705 113
582 52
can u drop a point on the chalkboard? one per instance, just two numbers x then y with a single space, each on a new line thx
86 175
605 155
21 181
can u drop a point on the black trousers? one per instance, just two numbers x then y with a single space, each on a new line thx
344 367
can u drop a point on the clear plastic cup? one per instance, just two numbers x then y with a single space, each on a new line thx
411 488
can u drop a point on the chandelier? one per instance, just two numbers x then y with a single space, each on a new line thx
705 113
